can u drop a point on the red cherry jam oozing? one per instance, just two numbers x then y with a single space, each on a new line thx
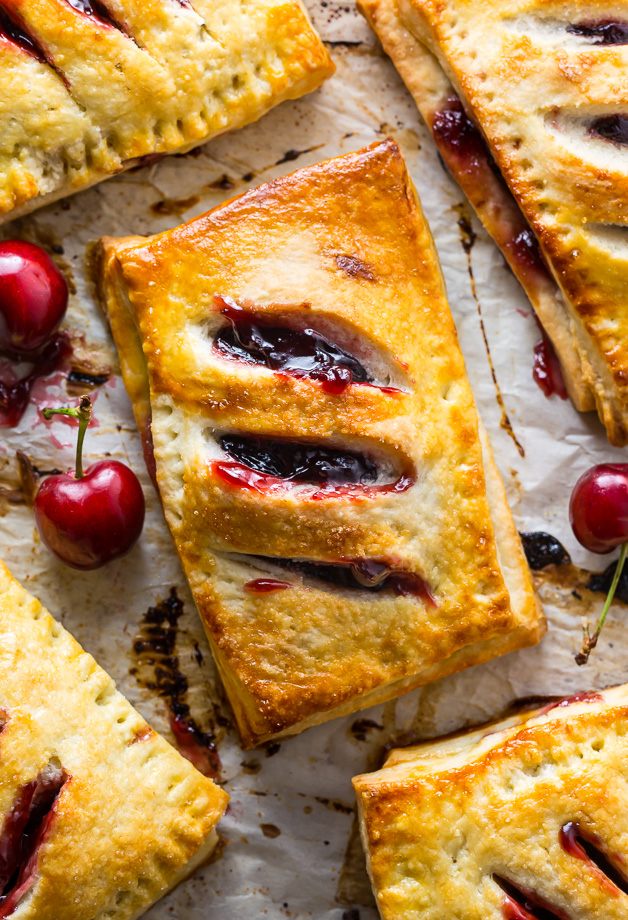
300 353
356 575
265 465
13 32
23 834
95 10
547 372
605 32
587 848
15 390
520 904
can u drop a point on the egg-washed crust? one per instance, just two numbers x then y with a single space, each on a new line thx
534 89
296 657
171 76
441 819
133 817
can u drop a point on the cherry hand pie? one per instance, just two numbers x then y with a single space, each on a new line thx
99 816
296 376
523 819
528 105
90 87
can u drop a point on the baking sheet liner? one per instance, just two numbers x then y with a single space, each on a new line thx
288 842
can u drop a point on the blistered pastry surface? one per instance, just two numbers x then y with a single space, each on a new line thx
444 820
131 813
313 649
152 78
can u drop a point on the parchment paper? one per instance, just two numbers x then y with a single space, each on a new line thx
289 847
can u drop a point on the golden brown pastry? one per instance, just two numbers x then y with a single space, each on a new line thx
292 360
99 816
90 88
528 105
523 819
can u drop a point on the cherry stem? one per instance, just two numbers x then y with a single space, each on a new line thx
590 641
83 414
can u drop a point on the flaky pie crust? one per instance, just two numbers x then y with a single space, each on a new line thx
292 658
133 817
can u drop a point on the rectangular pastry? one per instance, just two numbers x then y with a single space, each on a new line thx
522 819
528 106
297 379
91 87
99 816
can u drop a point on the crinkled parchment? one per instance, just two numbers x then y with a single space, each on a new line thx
289 845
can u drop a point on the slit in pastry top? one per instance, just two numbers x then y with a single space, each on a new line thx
24 833
282 346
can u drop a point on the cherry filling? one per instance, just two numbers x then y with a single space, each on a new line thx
586 847
612 128
22 836
300 353
359 574
16 34
524 905
265 586
542 549
607 32
299 462
15 391
458 137
547 372
526 250
95 10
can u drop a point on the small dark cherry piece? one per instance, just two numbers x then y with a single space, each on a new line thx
88 519
33 297
598 512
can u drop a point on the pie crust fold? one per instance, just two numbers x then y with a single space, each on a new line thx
537 147
319 596
94 88
98 813
520 819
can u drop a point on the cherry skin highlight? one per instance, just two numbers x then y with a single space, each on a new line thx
33 297
598 509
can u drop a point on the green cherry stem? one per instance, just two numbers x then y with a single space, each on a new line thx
590 641
83 413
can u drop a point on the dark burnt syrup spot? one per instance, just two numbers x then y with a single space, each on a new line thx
15 389
520 904
467 239
588 847
271 831
605 32
300 462
542 549
362 727
600 582
84 379
157 669
301 353
24 832
355 267
19 36
613 128
546 371
373 575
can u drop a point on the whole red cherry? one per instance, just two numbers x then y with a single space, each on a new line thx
33 297
89 518
598 511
